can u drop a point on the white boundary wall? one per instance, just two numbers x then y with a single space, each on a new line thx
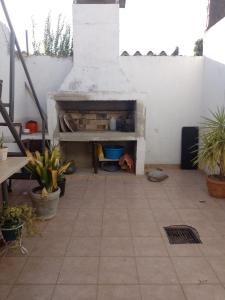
214 68
173 88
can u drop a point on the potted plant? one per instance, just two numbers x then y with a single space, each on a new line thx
12 220
47 169
211 154
3 149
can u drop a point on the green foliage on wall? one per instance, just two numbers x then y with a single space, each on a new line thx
56 42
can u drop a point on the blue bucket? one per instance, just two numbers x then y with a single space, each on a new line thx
113 151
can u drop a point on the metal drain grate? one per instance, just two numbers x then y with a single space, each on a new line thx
182 234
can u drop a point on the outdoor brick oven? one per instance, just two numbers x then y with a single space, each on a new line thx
97 89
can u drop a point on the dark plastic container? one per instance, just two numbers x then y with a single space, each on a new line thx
11 234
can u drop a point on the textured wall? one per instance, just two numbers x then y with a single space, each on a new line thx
216 12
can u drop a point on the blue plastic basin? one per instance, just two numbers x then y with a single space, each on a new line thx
113 151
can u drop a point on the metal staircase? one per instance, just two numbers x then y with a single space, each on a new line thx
8 116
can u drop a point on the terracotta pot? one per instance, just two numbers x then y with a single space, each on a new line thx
216 187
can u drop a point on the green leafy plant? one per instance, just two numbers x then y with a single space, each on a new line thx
47 168
198 49
56 42
211 152
13 216
2 142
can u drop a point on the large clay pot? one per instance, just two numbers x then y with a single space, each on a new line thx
45 207
216 187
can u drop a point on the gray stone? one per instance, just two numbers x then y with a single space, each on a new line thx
157 175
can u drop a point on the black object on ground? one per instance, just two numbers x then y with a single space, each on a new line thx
189 147
182 234
110 166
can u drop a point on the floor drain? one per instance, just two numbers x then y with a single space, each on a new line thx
182 234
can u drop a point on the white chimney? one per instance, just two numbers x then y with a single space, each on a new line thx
96 48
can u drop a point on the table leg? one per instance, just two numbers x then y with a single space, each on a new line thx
94 158
4 194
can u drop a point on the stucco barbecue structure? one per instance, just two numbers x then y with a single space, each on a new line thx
97 78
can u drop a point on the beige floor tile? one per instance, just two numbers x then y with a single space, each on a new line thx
61 227
40 270
73 292
10 267
169 216
212 246
194 270
92 202
116 229
144 229
68 214
183 250
160 203
161 292
139 202
115 203
218 265
204 228
4 291
219 227
31 292
155 193
156 270
140 215
79 270
117 270
88 223
115 215
204 292
214 215
183 203
90 215
89 229
116 246
191 215
122 292
50 246
71 203
150 246
84 247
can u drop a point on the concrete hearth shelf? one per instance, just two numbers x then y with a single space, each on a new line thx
97 136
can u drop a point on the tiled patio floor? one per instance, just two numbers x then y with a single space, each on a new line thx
108 243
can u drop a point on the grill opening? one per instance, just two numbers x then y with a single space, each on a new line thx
182 234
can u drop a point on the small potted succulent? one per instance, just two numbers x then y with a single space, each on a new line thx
3 149
47 169
211 154
12 220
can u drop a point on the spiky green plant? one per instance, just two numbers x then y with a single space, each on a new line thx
2 141
211 152
47 168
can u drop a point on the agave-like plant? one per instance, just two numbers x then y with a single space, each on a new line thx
211 152
47 168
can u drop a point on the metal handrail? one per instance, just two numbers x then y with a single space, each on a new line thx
44 123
